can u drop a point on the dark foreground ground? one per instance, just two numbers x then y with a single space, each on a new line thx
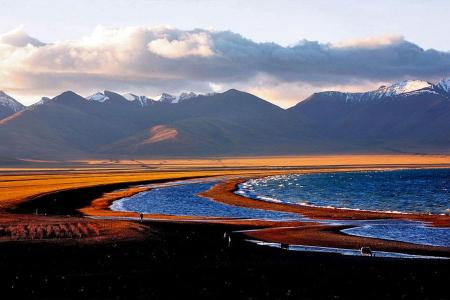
194 262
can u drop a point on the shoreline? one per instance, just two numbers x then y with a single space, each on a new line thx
225 193
177 257
288 232
331 236
101 205
96 205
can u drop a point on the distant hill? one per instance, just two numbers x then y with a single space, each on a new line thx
410 116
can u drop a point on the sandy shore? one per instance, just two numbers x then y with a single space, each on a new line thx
330 236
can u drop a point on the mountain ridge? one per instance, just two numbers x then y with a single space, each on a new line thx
398 89
412 117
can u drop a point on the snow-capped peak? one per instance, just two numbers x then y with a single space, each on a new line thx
444 84
185 96
98 97
10 102
168 98
403 87
43 101
142 100
130 96
399 89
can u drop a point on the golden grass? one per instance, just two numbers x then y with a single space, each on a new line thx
17 188
65 229
285 161
33 231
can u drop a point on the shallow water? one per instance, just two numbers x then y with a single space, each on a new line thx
349 252
421 191
400 230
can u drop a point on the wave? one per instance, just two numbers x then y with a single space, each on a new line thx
269 199
118 205
399 191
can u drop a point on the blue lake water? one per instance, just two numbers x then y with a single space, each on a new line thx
421 191
350 252
402 231
182 200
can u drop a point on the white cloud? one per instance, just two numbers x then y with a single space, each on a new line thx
215 87
196 44
152 60
371 42
18 38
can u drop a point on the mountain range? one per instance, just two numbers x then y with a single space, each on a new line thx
406 117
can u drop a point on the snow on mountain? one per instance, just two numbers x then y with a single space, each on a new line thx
185 96
102 97
142 100
10 102
130 96
444 84
167 98
399 89
42 101
403 87
98 97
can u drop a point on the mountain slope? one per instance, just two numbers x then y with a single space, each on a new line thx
227 123
65 126
109 124
409 116
406 117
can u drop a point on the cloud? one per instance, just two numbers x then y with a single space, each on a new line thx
152 60
371 42
19 38
197 44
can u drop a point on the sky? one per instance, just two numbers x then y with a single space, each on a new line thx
279 50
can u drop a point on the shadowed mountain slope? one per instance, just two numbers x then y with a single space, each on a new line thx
410 116
414 121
